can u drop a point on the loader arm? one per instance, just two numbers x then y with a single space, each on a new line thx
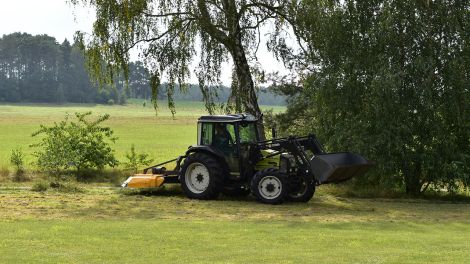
324 167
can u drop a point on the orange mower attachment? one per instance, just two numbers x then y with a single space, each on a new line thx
144 181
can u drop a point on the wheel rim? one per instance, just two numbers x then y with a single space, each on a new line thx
270 187
301 190
197 177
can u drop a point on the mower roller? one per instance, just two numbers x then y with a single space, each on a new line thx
229 158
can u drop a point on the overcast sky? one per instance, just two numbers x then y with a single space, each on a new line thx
60 20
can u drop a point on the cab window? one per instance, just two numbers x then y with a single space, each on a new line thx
206 133
248 133
224 138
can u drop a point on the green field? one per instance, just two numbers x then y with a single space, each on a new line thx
162 137
108 225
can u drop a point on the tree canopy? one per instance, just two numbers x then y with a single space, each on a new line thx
391 81
171 34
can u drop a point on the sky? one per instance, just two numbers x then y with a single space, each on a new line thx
59 19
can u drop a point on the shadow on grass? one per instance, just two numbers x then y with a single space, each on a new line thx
176 191
113 176
166 190
350 190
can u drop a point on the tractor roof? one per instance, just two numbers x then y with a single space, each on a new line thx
227 118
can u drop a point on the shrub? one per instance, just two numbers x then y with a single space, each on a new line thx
134 160
40 186
17 160
76 145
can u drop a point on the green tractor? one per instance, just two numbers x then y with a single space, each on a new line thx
230 158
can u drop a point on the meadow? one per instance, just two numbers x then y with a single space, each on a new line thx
159 134
104 224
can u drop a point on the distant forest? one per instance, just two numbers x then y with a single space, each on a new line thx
38 69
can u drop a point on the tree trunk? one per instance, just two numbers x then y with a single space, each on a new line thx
246 86
413 184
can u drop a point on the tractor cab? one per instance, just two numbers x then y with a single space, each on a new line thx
230 138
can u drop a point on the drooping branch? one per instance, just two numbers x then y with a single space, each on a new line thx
171 30
205 20
166 14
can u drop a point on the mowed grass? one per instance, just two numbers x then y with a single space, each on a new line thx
177 241
109 226
159 134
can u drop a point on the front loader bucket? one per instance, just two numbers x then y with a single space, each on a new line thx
338 167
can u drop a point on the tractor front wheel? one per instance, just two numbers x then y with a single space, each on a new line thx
201 177
270 186
302 189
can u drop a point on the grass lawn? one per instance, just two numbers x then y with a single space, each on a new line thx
108 225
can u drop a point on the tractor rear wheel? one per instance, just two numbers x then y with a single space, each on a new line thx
270 186
301 189
201 177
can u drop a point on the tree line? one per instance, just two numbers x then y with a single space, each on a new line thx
38 69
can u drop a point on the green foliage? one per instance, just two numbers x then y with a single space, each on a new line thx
391 82
46 71
134 160
169 35
80 145
17 160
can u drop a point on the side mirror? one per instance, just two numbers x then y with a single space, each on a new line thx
273 132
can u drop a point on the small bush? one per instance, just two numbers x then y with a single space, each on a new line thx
77 145
40 186
110 102
17 161
134 160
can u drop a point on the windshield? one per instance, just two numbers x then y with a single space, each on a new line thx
248 132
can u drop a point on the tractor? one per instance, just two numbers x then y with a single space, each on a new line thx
230 158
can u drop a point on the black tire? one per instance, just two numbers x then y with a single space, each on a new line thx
215 177
276 185
235 192
302 189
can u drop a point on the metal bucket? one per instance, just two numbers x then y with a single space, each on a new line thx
338 167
